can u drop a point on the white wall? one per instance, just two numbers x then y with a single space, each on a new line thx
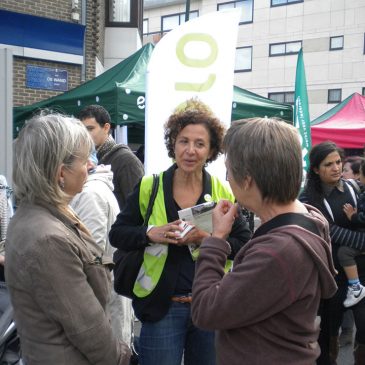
313 22
120 43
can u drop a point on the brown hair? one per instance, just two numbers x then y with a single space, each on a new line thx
269 151
194 112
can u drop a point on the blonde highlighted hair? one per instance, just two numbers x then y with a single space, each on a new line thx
44 144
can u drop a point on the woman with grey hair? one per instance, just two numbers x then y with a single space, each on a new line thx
57 276
265 309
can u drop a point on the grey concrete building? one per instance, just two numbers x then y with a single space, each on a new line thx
271 32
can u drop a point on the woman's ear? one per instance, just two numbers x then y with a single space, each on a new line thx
60 176
247 182
316 170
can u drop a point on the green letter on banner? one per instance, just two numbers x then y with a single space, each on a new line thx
196 37
199 63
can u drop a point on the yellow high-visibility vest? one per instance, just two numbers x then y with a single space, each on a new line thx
155 255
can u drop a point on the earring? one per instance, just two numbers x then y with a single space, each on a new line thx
61 184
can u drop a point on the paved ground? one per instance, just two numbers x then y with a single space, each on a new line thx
346 357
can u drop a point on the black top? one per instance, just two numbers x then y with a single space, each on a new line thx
340 227
127 233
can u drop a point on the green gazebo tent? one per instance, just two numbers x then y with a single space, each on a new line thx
246 104
121 91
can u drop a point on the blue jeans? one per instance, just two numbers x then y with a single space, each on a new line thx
166 341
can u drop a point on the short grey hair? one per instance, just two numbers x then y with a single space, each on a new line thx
269 151
44 144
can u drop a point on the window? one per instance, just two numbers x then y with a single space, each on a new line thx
363 91
169 22
336 43
288 48
124 13
120 11
334 96
245 6
283 97
145 26
284 2
243 59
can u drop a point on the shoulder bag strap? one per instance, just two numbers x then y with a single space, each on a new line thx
152 198
352 188
287 219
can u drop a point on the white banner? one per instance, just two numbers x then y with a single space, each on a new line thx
194 60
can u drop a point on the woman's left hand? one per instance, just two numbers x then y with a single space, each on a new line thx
195 236
224 215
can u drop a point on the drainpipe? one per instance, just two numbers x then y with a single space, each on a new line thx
187 11
83 22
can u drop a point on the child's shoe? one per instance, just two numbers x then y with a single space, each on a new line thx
354 294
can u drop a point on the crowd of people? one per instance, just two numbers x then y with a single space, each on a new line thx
221 294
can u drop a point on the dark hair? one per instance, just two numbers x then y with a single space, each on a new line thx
317 154
194 112
98 112
354 162
362 166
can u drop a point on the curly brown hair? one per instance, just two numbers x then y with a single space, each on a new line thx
194 111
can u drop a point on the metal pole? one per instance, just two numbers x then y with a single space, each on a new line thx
6 114
83 22
187 11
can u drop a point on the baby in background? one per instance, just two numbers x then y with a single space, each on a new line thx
347 255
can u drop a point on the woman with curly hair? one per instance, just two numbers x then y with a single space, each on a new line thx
193 137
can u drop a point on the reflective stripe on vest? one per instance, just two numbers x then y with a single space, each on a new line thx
155 255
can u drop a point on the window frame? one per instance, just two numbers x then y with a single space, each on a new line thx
136 19
334 101
285 44
285 3
245 70
238 1
174 14
337 48
148 26
285 94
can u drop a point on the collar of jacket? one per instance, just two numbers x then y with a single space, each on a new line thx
167 180
68 222
327 189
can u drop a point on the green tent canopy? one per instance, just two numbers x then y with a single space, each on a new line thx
121 90
246 104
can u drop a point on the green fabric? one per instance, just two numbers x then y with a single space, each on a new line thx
155 255
250 105
118 89
121 90
152 266
301 113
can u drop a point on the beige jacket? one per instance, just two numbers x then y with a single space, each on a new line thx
59 286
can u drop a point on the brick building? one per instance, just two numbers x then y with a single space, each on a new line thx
75 40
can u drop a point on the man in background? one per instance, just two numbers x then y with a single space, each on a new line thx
127 168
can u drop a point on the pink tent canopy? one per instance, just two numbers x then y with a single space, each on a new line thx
344 124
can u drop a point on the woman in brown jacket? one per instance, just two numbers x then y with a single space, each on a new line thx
265 310
56 274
